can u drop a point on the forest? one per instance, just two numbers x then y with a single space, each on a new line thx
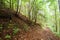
29 19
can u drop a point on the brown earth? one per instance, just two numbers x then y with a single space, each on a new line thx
34 32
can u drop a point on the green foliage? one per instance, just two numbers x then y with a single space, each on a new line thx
1 27
15 30
25 27
8 36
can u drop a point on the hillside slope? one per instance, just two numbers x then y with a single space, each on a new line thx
33 32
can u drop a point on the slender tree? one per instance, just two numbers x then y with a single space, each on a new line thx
29 10
20 5
17 6
34 11
56 19
10 3
59 14
1 3
59 4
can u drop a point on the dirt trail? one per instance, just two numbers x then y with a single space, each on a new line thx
36 33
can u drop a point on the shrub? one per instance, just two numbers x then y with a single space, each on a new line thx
1 27
15 30
0 38
25 27
8 36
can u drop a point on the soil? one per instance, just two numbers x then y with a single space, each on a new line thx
34 31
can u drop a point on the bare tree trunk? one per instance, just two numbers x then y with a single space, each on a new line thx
1 4
29 10
56 20
20 6
17 6
59 4
59 12
29 15
35 17
10 3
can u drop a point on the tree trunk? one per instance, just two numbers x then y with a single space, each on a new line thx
17 6
56 20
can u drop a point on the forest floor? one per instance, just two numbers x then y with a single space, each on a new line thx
27 29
